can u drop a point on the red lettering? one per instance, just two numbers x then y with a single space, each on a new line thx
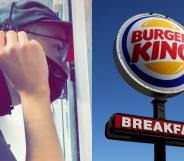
148 34
139 51
155 51
158 49
169 35
182 38
167 49
177 36
180 51
158 34
136 36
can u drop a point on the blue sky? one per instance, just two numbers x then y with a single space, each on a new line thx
112 94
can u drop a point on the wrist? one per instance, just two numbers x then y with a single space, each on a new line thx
36 94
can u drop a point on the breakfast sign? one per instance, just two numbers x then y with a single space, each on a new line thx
149 54
145 129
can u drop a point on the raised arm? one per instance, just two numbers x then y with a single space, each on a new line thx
24 63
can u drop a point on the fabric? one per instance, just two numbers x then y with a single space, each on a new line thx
22 13
5 98
16 15
5 152
57 79
70 56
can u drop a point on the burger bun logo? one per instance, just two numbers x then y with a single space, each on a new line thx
149 53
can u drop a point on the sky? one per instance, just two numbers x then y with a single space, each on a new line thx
111 94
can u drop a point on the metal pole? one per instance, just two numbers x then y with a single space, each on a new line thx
159 113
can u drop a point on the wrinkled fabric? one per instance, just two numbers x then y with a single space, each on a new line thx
24 13
16 15
5 98
5 152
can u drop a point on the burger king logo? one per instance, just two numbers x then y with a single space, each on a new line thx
150 54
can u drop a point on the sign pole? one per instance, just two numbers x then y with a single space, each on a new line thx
159 113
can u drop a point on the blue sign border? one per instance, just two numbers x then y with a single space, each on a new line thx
150 80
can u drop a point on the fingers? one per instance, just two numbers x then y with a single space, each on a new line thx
2 39
22 37
11 38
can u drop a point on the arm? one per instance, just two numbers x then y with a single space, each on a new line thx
41 138
24 63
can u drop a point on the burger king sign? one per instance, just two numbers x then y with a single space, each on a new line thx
149 53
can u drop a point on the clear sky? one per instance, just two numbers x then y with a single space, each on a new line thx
112 94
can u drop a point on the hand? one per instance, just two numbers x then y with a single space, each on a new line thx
24 62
